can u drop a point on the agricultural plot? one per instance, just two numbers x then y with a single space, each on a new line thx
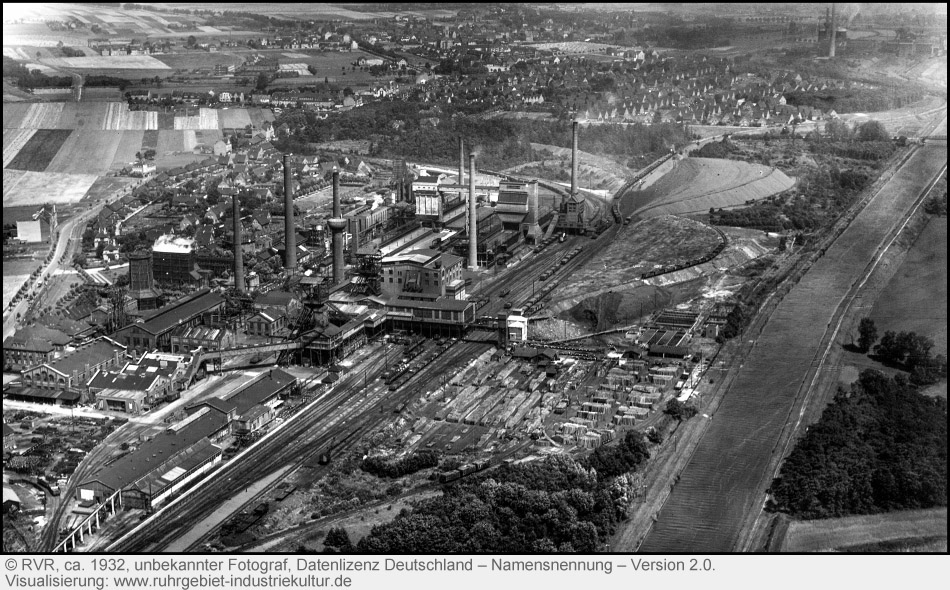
87 152
39 150
300 68
107 187
915 299
150 140
33 188
130 143
109 62
258 116
42 115
166 121
192 61
205 119
13 114
234 118
836 533
695 185
205 137
13 142
119 117
84 115
734 455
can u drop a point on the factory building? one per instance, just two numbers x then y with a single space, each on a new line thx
174 261
154 329
64 380
421 274
154 378
33 345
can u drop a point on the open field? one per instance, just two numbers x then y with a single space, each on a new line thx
234 118
724 482
88 152
13 142
32 188
839 533
129 144
695 185
106 187
915 299
110 62
204 119
104 116
37 153
195 60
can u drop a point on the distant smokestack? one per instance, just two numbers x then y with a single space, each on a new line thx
290 232
574 159
472 225
461 161
831 50
238 240
337 224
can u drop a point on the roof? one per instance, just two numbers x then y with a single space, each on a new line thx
670 350
158 452
260 390
275 298
165 318
224 406
444 304
91 354
128 381
37 334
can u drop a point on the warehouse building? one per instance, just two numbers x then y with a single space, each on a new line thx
154 329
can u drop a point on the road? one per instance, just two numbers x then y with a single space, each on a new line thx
725 479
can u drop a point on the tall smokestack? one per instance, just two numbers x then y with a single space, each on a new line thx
461 161
574 159
831 50
531 220
337 224
290 232
238 240
472 225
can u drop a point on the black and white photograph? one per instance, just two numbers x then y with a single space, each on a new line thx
473 294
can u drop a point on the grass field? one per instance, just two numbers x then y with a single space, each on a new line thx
105 187
33 188
13 142
39 150
234 118
915 299
724 481
697 184
839 533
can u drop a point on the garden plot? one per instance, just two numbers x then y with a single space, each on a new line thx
695 185
37 153
34 188
13 142
110 62
87 152
42 115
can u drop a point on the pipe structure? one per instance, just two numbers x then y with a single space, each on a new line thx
238 240
290 232
472 224
337 224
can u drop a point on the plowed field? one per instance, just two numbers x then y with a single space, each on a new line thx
87 152
32 188
39 150
13 142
